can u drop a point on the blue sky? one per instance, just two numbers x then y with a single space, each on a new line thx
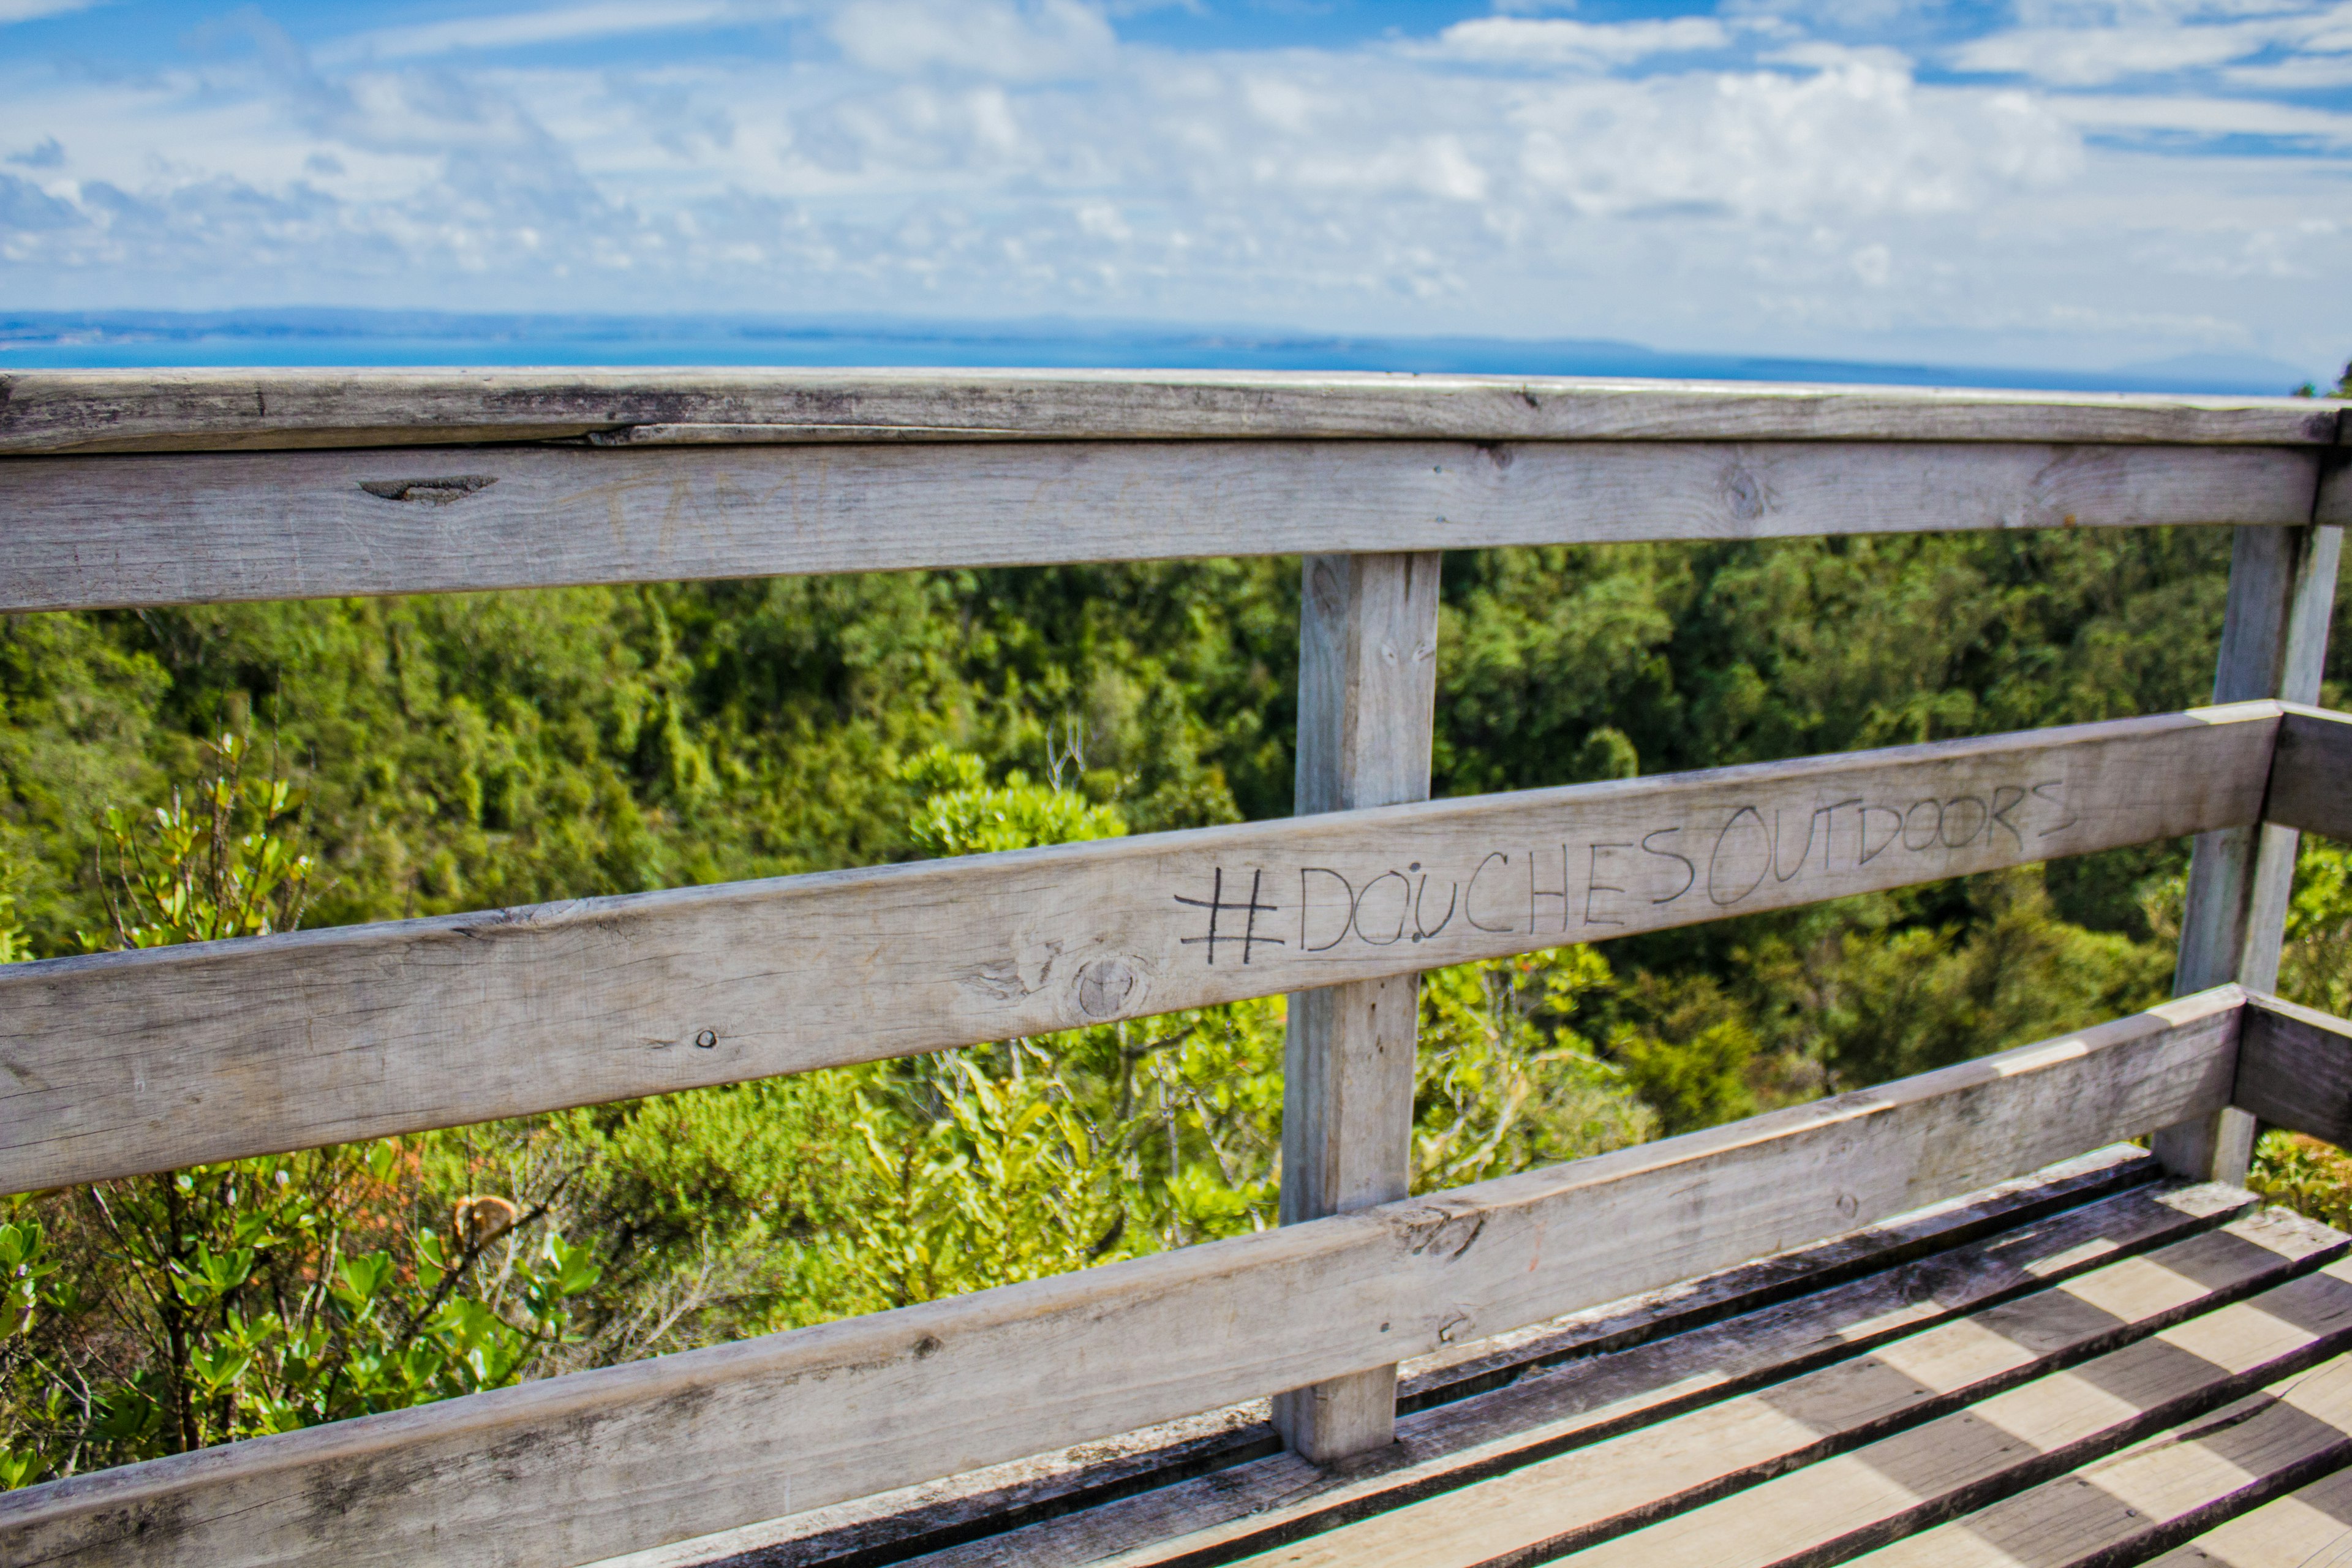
2045 182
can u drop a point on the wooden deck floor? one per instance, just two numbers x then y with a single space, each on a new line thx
2092 1367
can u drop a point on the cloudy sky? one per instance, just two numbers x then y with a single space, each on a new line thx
2035 181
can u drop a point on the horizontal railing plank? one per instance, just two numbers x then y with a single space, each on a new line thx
582 1467
127 1062
2294 1069
153 410
84 532
2311 773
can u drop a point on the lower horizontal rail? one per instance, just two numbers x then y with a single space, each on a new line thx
2311 773
580 1467
2294 1069
122 1063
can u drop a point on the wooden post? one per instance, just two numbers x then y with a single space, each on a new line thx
1367 704
2273 644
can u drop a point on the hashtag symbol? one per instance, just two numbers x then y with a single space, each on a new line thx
1217 906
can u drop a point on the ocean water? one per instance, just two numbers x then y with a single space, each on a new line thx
126 339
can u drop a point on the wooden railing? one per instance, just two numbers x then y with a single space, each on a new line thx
178 488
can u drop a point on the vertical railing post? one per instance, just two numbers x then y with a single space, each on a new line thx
2273 644
1366 700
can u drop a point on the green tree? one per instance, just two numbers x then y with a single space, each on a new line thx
160 1314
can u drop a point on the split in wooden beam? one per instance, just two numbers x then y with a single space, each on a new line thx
122 1063
580 1467
84 532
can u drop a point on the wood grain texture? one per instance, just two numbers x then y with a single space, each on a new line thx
1647 1496
1279 1500
2273 644
2311 773
1367 718
2294 1069
1891 1493
172 410
2309 1528
127 1062
579 1467
2127 1507
83 532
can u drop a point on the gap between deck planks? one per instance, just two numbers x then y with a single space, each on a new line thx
820 1415
93 533
119 1064
52 411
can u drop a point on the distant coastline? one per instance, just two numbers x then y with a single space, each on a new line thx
295 337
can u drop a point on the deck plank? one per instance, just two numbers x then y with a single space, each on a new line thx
1657 1471
2309 1528
1914 1480
2159 1491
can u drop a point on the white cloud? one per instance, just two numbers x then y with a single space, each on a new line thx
2093 57
2304 73
2161 40
1843 145
2205 116
34 10
988 38
1512 40
563 24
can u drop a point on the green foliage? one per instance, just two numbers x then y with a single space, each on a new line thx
962 814
1695 1082
1502 1080
1920 998
2315 969
2342 387
160 1314
205 870
994 1180
2304 1174
2289 1168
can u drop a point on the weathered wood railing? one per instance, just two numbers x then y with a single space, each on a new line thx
180 487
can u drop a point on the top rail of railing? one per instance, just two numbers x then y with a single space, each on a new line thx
230 410
179 487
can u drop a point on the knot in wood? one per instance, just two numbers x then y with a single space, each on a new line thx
1743 493
1105 987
